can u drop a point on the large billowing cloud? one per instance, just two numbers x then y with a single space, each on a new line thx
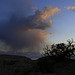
19 27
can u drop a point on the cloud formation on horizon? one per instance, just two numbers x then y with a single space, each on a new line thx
19 28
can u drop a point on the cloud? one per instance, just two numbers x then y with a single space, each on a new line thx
20 28
47 12
70 7
73 7
51 33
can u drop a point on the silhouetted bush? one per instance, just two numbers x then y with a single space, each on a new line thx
60 51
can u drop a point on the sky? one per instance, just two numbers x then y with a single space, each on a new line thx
63 23
26 26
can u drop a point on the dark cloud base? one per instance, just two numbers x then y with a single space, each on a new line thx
18 29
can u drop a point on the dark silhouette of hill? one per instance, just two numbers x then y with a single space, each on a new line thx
20 65
15 65
48 65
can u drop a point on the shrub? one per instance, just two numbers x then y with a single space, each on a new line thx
61 50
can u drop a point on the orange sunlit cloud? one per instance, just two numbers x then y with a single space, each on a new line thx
70 7
51 33
48 12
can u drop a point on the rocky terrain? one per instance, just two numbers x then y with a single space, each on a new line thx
15 65
19 65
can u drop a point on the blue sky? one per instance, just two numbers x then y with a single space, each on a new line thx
63 25
22 31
